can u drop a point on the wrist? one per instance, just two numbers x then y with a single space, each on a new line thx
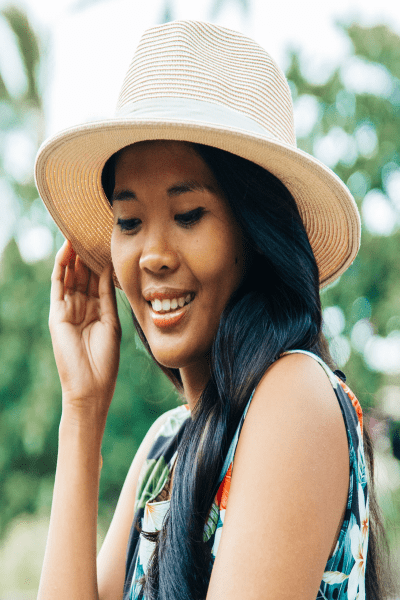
85 426
85 411
79 450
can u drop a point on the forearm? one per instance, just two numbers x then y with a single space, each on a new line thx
69 568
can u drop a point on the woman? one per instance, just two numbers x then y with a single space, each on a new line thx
220 233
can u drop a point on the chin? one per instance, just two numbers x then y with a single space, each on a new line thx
170 361
175 359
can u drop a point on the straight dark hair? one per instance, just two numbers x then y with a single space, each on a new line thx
276 308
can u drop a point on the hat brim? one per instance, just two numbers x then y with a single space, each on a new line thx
68 177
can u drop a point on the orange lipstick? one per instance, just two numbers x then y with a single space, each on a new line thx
166 320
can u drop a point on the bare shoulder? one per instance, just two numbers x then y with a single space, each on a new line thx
288 490
295 406
304 387
296 411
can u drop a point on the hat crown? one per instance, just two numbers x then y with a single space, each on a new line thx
198 61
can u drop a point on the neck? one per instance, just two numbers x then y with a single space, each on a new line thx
194 380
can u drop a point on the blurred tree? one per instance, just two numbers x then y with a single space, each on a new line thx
22 318
356 130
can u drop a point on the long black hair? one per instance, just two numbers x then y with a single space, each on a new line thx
276 308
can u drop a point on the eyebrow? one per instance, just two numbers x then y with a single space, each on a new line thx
188 186
177 189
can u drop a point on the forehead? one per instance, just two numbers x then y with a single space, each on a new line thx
161 159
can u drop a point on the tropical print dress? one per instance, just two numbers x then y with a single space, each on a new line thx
344 576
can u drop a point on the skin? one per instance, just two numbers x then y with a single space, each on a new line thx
291 463
161 251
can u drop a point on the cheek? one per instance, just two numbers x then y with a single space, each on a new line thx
124 261
219 258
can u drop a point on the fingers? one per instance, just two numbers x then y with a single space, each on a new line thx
64 257
93 287
82 276
69 277
108 301
70 274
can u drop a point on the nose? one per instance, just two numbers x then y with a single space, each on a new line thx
158 255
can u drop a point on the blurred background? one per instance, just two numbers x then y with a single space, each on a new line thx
62 63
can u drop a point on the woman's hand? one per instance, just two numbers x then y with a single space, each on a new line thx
86 335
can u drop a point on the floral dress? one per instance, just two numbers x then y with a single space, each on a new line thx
344 576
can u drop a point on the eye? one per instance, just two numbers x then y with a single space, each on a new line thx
190 218
128 224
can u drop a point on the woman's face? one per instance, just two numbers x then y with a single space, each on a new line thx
176 248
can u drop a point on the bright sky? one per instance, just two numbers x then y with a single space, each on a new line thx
90 48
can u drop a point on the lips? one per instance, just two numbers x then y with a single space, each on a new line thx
166 294
165 320
167 305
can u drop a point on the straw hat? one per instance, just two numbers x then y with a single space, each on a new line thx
197 82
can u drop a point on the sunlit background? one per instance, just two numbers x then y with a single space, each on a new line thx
61 63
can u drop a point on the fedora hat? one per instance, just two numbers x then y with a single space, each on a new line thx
197 82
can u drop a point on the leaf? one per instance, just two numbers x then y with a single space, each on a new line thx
332 577
211 523
152 481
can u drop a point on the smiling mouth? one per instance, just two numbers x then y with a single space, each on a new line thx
170 306
164 318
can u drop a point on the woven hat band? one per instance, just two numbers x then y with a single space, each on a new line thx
189 110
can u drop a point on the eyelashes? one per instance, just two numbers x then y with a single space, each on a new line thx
190 218
128 224
186 220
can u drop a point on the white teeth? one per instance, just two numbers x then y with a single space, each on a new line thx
156 304
166 304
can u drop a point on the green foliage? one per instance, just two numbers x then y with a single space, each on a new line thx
29 390
374 275
378 44
29 49
30 399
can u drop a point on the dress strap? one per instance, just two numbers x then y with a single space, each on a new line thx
328 371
